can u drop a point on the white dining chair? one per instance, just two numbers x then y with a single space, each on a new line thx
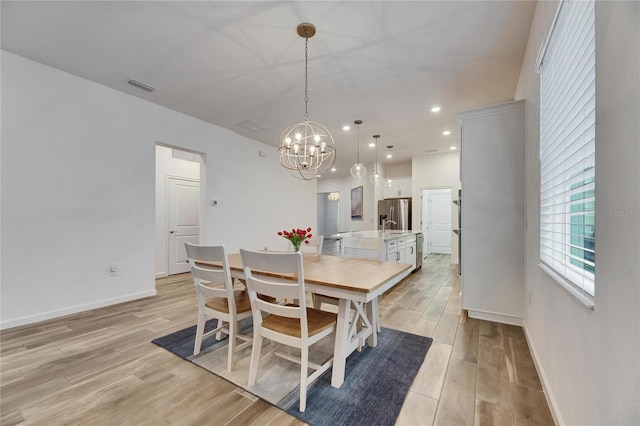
217 298
358 247
315 245
292 325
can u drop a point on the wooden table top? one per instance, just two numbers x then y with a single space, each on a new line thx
362 275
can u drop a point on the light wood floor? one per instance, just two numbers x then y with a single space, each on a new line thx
100 367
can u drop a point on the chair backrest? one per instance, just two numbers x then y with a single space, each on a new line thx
209 279
266 274
315 245
368 248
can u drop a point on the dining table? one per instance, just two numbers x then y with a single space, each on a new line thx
356 283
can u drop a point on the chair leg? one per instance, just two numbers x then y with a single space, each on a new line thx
219 324
255 358
199 333
232 344
304 370
317 304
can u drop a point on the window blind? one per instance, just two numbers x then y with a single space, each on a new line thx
567 146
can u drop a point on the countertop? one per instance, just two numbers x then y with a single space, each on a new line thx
387 235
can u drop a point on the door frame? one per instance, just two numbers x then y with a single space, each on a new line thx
431 188
162 210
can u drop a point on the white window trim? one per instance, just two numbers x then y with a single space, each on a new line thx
584 298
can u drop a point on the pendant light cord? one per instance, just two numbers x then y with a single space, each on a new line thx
376 155
358 151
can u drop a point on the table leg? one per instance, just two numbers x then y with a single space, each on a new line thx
372 316
341 350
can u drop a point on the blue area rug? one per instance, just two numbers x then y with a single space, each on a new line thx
376 381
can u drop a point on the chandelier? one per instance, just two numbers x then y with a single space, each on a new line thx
307 149
376 178
334 196
358 170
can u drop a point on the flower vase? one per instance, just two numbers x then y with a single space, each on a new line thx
296 246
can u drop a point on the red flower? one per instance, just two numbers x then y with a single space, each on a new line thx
296 236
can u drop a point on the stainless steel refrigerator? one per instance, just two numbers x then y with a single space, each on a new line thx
398 210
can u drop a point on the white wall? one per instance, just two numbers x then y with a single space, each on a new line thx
398 170
589 360
370 197
168 166
73 204
437 171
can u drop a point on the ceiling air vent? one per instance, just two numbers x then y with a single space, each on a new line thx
253 125
139 85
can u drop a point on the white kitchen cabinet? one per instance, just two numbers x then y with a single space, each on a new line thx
492 236
398 246
410 250
393 250
400 188
402 250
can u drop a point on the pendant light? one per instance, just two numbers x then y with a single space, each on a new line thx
358 170
376 178
307 149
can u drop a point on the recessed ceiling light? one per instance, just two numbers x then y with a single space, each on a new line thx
453 148
446 132
372 144
346 128
333 169
435 109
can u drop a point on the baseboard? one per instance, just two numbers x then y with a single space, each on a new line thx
30 319
548 395
492 316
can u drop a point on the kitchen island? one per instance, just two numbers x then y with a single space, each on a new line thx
398 246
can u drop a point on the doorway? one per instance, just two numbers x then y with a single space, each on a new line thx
328 211
179 207
435 220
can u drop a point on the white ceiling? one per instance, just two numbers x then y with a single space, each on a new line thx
384 62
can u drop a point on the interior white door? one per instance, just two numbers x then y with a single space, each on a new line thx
440 216
183 201
424 221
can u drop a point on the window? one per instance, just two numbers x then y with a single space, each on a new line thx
567 147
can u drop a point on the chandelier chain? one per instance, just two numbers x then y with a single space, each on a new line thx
306 76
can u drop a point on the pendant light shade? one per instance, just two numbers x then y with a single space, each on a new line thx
388 182
307 148
358 170
376 178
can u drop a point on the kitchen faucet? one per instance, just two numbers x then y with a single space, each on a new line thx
384 223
